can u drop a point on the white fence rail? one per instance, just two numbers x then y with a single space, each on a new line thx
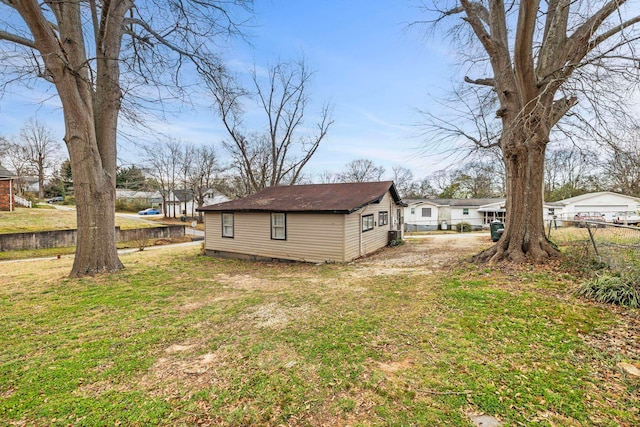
22 201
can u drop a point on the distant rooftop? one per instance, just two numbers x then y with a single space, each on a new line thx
4 173
458 202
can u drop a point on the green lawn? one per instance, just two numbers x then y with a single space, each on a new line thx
29 220
182 339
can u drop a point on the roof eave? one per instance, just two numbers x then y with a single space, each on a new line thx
310 211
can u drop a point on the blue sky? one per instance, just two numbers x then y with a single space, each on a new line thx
368 65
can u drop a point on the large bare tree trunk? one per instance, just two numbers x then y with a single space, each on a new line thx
95 200
90 116
524 238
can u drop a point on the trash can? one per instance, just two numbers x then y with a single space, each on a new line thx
444 226
497 228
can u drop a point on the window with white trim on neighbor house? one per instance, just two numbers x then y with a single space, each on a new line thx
227 224
278 226
426 212
465 211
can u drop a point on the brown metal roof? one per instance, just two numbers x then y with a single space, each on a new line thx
330 198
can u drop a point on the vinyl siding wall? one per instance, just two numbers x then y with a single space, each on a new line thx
416 222
310 237
352 226
362 243
474 217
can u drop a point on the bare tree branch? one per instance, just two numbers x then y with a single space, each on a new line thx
17 39
483 82
279 154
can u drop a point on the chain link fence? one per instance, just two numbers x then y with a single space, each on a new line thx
617 246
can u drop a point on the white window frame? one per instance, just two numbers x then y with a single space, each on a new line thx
278 231
465 211
228 229
428 210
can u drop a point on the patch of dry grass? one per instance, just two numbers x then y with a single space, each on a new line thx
24 220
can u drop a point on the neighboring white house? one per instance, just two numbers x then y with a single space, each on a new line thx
176 202
421 215
605 202
433 214
181 202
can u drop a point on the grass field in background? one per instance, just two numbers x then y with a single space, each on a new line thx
183 339
24 220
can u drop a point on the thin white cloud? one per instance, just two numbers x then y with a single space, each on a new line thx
374 119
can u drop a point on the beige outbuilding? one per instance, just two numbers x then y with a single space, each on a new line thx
312 223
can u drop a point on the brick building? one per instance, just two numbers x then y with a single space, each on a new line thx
7 201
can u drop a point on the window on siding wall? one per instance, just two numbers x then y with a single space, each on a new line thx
367 222
278 226
426 212
383 218
413 211
227 225
465 211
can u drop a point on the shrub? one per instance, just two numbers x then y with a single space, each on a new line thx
123 205
396 242
463 227
579 256
612 290
30 196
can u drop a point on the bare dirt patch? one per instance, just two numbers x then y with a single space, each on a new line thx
423 255
391 367
248 282
204 302
183 370
273 315
176 348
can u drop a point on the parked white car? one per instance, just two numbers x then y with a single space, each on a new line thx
626 218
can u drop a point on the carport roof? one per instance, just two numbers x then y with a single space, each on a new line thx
326 198
466 203
587 196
